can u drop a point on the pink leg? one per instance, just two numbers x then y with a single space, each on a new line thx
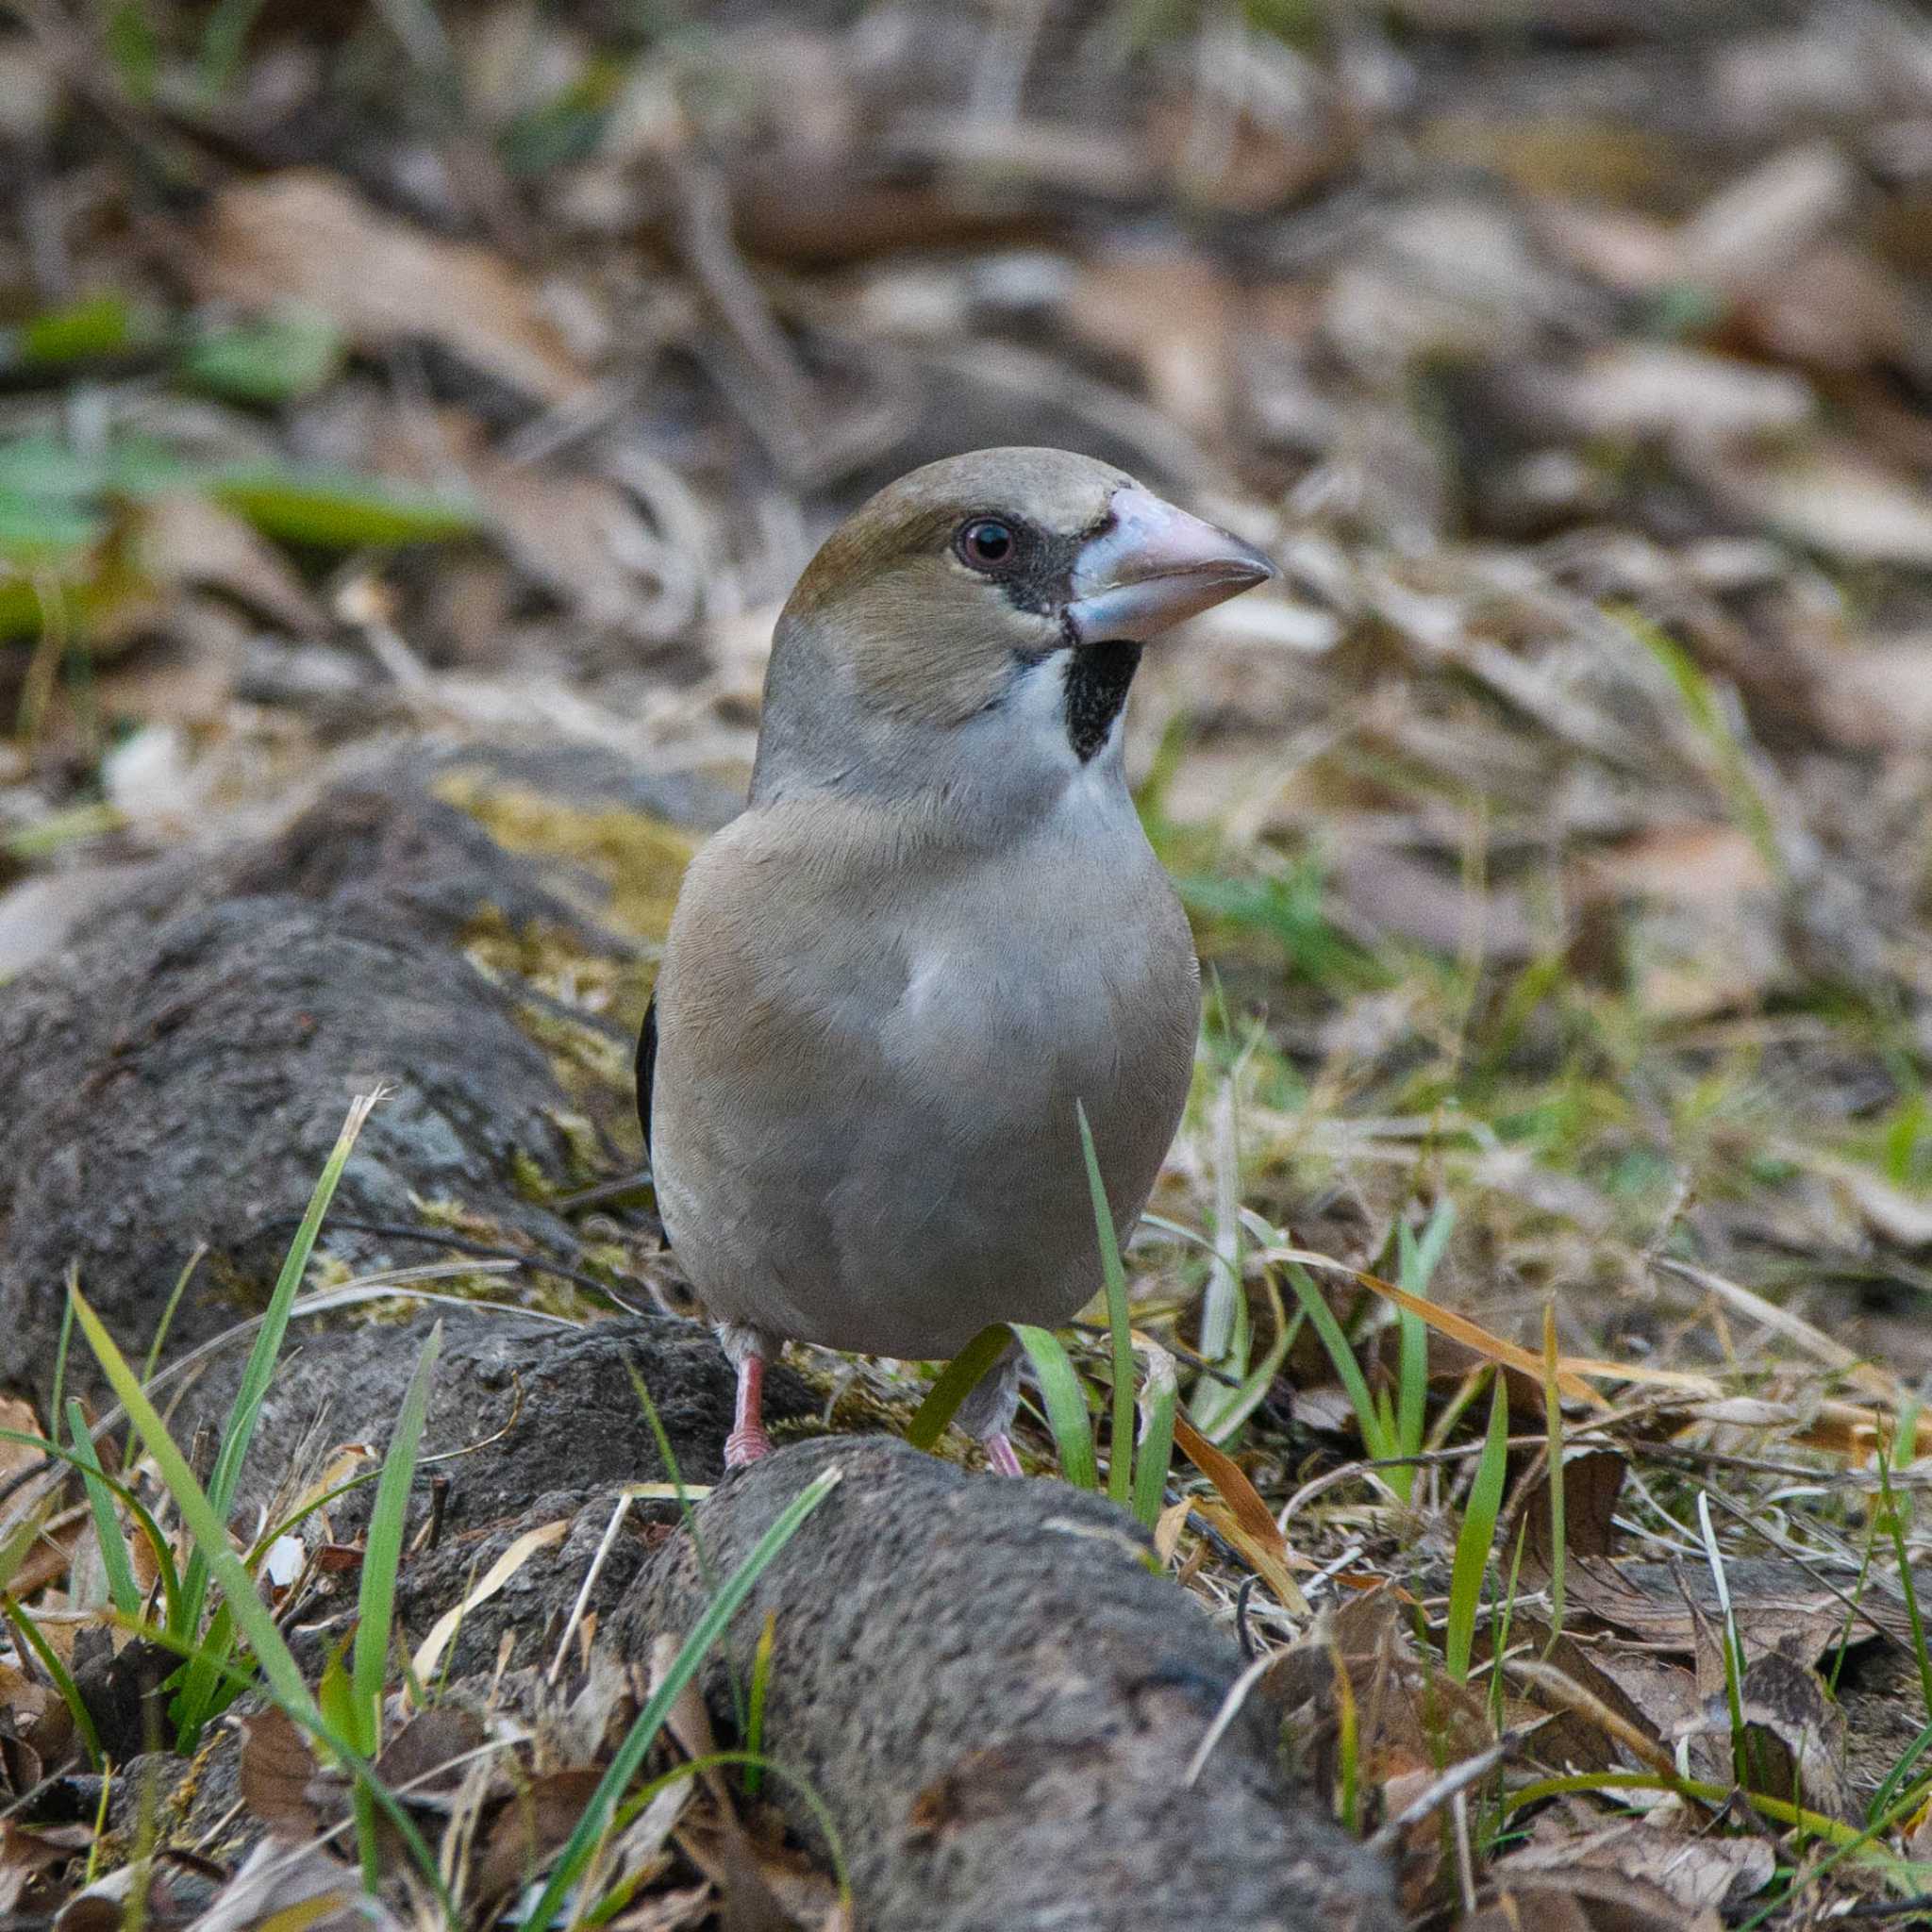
747 1441
999 1452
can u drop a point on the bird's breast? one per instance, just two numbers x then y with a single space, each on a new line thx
1061 971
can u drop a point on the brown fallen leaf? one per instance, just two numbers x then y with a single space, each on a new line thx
183 537
30 1851
1390 891
1593 1719
21 1417
1879 697
1702 1873
1795 1735
1778 1606
1629 390
276 1774
422 1755
1757 228
531 1829
1579 1899
1591 1484
103 1906
1407 1716
669 1912
1684 864
305 237
1838 310
1170 313
584 540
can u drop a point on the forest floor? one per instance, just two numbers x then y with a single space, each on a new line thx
470 382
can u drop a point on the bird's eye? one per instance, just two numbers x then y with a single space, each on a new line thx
987 543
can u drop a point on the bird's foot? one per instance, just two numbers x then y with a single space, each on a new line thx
747 1441
746 1445
999 1452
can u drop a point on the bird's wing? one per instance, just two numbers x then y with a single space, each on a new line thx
647 1069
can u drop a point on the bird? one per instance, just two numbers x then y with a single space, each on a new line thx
935 934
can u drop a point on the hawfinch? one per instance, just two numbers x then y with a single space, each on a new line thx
937 927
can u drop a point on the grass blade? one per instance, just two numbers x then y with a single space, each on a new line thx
238 1431
755 1723
1242 1402
1224 1337
957 1381
1120 1460
382 1552
28 1633
1552 1426
1477 1536
1159 1402
1416 1263
643 1731
241 1601
1895 1529
56 1407
123 1591
208 1529
165 1560
1065 1403
1315 1305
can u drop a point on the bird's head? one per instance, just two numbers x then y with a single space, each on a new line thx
989 606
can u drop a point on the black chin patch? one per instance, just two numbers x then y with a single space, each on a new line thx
1097 681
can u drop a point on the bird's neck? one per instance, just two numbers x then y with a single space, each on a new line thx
1052 738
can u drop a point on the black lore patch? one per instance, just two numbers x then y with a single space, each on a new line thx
1039 577
1097 681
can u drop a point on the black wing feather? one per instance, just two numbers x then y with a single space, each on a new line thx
647 1067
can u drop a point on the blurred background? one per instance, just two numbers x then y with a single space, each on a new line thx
403 372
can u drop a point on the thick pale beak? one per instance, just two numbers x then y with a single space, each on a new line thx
1153 566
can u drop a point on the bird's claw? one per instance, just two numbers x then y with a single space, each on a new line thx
744 1446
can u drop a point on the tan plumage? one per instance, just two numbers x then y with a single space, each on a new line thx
936 927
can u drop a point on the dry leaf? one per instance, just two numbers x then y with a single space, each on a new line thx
276 1772
185 538
1795 1734
531 1829
1168 311
1579 1899
305 236
1633 390
1778 1608
429 1652
18 1415
428 1745
1879 697
1250 1525
670 1911
1758 227
1591 1484
1681 864
1408 1716
1703 1873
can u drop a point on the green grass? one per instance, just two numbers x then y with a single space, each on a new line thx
200 1696
1136 1475
232 1641
1477 1537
